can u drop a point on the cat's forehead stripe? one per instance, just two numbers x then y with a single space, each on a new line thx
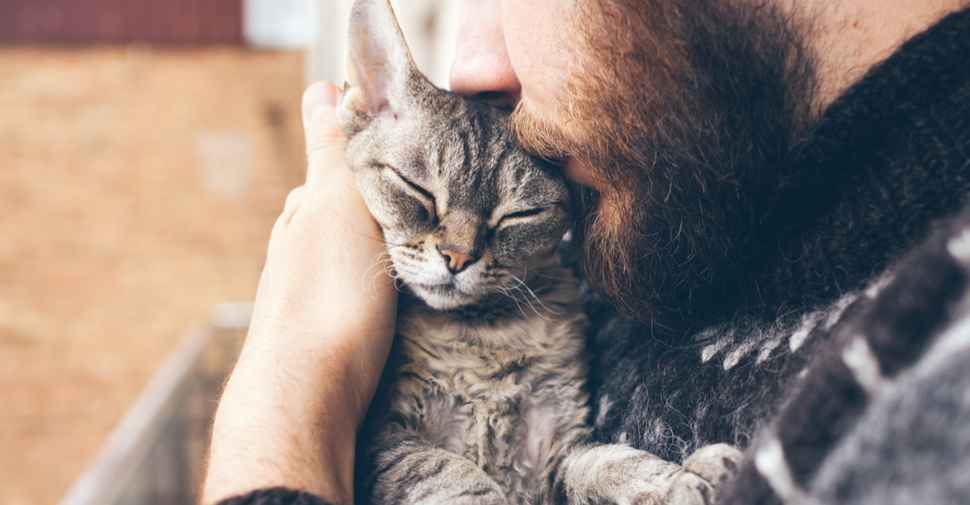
442 159
474 183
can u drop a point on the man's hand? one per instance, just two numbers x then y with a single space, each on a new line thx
321 331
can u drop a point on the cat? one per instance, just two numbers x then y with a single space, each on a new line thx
484 399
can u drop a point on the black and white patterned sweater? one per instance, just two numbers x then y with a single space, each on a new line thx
843 365
845 371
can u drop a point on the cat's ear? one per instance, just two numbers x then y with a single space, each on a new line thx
381 74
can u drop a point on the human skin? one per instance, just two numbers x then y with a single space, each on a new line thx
322 326
324 317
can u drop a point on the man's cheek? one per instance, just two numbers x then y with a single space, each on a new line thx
580 172
541 40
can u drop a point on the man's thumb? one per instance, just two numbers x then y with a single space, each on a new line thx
319 123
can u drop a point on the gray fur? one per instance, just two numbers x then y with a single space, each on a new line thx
487 400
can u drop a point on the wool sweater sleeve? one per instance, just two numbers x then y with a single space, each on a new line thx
275 496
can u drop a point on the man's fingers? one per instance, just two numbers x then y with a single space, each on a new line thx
293 199
325 140
331 203
292 203
319 119
319 99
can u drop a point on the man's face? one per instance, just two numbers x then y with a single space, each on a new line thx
674 115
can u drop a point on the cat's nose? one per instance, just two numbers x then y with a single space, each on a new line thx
456 257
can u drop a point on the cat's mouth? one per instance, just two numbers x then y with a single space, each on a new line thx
442 296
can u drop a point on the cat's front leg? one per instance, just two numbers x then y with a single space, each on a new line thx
704 474
409 471
596 474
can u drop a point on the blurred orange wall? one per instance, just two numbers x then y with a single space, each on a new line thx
138 187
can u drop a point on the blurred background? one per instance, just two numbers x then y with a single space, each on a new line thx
146 147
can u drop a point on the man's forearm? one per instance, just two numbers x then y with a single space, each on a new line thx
274 429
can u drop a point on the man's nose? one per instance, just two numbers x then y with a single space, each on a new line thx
481 69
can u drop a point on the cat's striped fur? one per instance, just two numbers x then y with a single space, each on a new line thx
484 399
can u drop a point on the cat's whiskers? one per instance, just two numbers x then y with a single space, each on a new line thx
385 259
550 277
532 305
387 245
386 267
522 284
516 300
511 294
391 245
391 271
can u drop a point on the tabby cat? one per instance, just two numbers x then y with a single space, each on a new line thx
485 398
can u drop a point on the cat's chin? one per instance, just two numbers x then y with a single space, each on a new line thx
442 297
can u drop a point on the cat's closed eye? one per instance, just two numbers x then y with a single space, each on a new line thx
511 218
422 194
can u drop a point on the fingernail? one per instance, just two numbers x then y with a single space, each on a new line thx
320 111
318 100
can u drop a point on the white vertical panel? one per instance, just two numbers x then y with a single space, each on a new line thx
445 34
327 45
276 24
428 25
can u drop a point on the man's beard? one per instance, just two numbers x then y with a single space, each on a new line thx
686 109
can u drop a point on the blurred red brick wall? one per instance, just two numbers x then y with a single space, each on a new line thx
98 21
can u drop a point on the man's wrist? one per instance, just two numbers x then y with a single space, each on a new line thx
276 426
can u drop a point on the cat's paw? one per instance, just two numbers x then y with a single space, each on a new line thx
716 463
689 489
703 475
